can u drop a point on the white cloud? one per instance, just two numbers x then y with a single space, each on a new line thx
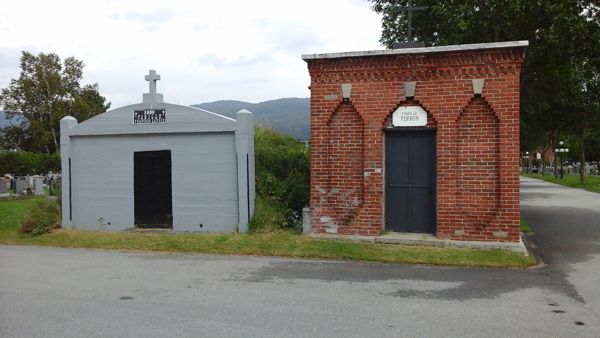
157 15
246 50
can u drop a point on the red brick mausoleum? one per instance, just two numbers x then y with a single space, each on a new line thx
417 140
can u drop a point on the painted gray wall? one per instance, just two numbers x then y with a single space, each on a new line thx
204 183
209 173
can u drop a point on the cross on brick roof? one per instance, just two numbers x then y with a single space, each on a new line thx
409 9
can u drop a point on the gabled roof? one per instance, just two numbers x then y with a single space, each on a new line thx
179 119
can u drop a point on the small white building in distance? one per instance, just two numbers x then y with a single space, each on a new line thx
158 165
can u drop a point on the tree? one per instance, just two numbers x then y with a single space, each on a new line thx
592 146
558 72
585 115
46 91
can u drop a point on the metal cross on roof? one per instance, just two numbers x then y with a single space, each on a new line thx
409 9
152 77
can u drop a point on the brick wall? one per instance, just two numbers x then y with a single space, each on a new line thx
473 133
345 153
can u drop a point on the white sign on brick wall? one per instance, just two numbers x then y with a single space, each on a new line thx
409 116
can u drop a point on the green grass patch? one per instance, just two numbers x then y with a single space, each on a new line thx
592 183
275 243
525 226
11 214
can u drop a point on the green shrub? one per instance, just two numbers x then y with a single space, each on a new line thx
268 215
40 218
26 163
282 174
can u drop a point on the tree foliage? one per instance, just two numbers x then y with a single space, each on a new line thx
47 90
26 163
559 97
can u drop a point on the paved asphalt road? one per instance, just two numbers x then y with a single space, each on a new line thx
51 292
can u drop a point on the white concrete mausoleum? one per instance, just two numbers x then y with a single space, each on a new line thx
158 165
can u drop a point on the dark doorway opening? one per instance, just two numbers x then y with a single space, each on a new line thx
152 189
410 180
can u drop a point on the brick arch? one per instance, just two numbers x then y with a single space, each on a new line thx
478 164
341 105
345 154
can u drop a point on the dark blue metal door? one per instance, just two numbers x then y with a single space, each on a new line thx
410 181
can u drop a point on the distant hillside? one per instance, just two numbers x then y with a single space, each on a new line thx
289 115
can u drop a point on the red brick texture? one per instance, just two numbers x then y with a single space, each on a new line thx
477 139
345 182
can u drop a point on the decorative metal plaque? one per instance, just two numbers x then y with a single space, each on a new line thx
149 116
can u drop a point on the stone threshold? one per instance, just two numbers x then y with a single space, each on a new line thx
427 240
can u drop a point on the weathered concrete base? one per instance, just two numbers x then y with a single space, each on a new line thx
427 240
306 228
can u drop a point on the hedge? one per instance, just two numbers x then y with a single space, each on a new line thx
26 163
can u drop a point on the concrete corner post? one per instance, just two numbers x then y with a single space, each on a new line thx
66 123
306 229
244 145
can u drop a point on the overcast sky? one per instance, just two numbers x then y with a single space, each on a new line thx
203 50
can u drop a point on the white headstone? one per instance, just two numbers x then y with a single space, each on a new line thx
38 185
21 184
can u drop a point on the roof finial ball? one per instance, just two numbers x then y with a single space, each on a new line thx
152 96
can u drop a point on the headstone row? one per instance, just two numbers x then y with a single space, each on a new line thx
27 185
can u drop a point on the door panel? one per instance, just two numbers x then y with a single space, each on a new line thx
152 189
410 174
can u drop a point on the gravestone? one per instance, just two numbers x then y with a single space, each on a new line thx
38 185
21 184
4 185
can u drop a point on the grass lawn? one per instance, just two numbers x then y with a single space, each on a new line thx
11 213
592 182
278 243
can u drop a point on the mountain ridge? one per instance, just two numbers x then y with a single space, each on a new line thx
287 115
